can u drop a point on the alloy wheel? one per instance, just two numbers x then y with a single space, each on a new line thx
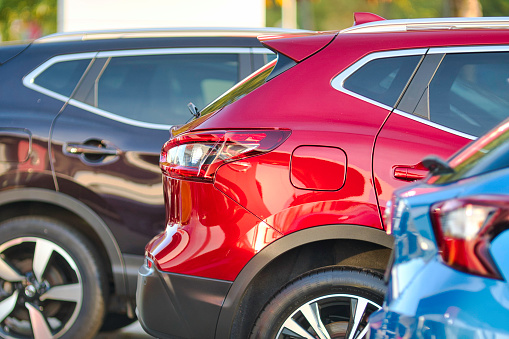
329 317
41 290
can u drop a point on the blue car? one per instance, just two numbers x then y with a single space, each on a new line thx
450 262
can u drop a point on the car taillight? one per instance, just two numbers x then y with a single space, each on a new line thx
197 155
464 229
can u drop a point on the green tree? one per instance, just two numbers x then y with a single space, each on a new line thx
27 19
338 14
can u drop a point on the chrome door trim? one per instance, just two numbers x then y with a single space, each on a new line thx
435 125
28 80
338 81
469 49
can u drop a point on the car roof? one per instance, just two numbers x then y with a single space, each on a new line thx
397 34
164 33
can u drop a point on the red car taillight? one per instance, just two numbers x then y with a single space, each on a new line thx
464 229
197 155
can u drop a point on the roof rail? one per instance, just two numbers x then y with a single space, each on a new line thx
402 25
163 33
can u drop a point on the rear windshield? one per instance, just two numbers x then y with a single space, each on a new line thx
488 153
240 90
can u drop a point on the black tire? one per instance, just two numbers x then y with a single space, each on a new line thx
331 295
51 281
116 321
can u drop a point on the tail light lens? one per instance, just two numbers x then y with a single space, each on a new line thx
196 156
464 229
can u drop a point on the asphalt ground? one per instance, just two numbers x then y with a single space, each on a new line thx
133 331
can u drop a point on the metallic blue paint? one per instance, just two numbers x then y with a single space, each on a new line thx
427 298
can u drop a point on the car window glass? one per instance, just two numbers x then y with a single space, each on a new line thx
488 153
62 77
270 57
383 79
470 92
157 88
241 89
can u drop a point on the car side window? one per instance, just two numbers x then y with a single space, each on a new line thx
470 91
62 77
157 88
383 79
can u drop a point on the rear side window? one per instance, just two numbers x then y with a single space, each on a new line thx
157 88
470 91
62 77
383 79
241 89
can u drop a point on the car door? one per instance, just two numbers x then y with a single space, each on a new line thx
458 94
106 141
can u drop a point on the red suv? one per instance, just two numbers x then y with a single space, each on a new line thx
275 194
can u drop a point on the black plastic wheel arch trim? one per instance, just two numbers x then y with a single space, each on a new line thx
283 245
84 212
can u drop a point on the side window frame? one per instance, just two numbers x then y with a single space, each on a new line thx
28 80
419 88
338 81
411 101
245 54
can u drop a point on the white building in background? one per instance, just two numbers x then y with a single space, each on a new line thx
80 15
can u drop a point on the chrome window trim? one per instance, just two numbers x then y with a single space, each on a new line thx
192 32
179 50
469 49
435 125
116 117
28 80
338 81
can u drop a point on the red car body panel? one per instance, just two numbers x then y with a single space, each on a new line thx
259 190
338 167
298 48
217 236
411 141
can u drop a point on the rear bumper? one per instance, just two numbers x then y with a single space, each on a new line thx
178 306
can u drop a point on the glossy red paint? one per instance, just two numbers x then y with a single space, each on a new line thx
411 141
362 18
215 236
298 48
339 163
217 217
319 168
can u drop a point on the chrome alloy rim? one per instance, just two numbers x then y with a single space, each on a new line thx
329 317
41 290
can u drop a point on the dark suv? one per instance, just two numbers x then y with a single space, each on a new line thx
275 193
82 120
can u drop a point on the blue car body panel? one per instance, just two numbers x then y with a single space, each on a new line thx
428 299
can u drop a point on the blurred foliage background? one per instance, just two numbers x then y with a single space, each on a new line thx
338 14
29 19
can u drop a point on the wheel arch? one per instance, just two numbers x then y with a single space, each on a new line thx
35 199
291 256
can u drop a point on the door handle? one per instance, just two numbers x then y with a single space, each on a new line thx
90 149
408 173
